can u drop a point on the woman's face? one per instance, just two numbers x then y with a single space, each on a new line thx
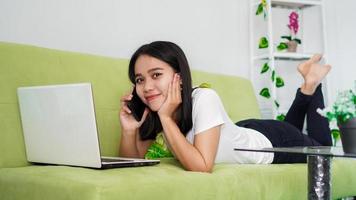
152 77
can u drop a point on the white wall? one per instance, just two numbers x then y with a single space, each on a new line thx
213 33
341 38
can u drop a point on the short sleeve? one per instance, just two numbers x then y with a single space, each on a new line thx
208 110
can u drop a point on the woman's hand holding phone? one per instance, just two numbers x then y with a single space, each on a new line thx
127 120
173 100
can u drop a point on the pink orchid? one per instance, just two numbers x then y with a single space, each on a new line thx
293 22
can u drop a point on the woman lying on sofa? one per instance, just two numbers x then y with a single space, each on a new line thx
195 126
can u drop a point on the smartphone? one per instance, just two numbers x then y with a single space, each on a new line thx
136 106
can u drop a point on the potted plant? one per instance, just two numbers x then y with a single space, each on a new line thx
293 41
343 112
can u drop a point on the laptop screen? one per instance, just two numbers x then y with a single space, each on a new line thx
59 124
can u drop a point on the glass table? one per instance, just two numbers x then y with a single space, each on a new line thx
319 165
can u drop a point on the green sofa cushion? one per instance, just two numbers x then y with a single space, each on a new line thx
24 65
168 181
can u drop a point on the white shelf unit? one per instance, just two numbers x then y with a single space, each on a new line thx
273 26
283 56
295 4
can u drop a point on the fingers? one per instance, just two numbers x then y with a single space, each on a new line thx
145 113
123 101
126 109
328 67
176 86
173 98
315 58
169 92
174 92
126 98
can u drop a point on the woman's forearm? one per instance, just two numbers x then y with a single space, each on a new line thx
186 153
128 146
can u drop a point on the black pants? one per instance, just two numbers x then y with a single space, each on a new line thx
288 133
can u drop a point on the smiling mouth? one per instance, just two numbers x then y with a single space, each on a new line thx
151 98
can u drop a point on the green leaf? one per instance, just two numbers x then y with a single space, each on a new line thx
205 85
279 82
281 117
259 9
265 93
289 38
273 75
263 43
336 135
282 46
297 40
276 103
157 151
265 68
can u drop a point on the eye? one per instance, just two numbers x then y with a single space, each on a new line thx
138 80
156 75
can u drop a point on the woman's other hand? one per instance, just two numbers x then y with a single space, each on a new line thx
173 100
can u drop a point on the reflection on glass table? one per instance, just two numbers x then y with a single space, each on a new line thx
319 165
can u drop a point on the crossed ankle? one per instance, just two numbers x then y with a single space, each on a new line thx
308 89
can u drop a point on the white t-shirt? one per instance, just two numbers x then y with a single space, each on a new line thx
208 112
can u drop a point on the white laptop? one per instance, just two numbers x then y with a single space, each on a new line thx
60 128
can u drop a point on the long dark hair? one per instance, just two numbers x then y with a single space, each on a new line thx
173 55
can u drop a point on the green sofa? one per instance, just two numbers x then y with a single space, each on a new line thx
23 65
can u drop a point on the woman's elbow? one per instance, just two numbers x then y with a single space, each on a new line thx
208 170
205 169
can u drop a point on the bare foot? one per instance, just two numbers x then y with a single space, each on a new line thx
314 73
304 67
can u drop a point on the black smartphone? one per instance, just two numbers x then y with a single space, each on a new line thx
136 106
